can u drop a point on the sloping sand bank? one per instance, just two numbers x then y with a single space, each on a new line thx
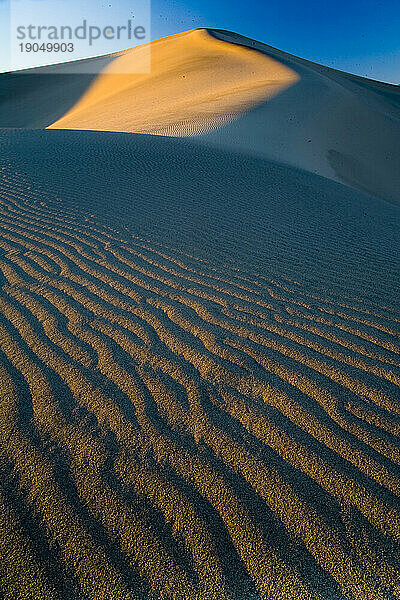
199 373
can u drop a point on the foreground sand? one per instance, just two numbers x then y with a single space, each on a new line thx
199 375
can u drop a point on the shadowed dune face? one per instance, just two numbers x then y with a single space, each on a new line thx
193 409
36 109
36 98
326 114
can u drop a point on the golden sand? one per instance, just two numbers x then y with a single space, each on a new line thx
196 84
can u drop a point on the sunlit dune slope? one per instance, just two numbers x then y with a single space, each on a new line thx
196 84
199 375
228 91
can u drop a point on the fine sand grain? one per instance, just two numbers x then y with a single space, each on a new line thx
199 345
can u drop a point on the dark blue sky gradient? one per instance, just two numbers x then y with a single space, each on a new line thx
361 37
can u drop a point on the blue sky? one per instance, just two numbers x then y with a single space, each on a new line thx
361 37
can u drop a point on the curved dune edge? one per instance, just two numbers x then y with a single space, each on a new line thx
196 83
192 409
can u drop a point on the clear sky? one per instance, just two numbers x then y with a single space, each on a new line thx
359 36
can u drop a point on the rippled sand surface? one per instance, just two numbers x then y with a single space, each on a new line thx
199 330
199 360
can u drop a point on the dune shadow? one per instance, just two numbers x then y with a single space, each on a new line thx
36 98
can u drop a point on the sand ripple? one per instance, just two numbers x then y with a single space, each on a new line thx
211 412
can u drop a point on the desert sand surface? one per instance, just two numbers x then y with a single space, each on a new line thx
199 330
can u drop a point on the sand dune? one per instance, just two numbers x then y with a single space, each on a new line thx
201 82
199 351
230 92
196 84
